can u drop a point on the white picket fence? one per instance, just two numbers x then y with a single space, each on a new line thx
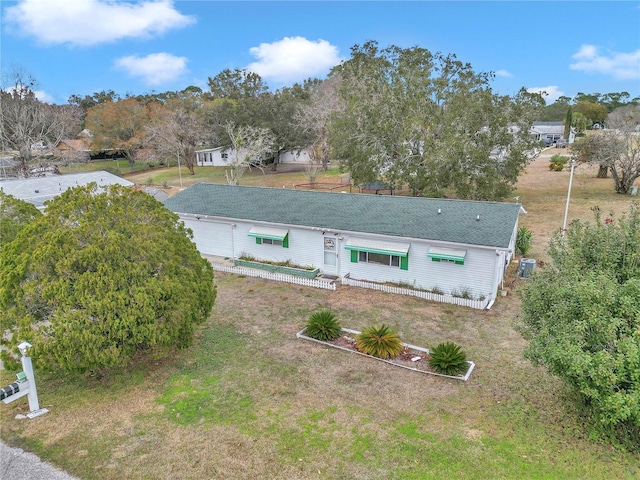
278 277
346 280
435 297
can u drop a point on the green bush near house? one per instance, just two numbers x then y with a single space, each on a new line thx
557 162
323 325
448 359
379 341
523 241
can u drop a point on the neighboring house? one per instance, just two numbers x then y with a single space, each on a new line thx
220 157
551 132
39 190
296 156
213 157
453 246
76 149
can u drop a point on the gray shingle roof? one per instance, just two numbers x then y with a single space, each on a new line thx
412 217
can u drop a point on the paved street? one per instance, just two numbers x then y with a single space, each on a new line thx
16 464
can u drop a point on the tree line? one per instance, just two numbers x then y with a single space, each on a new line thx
406 117
403 116
587 109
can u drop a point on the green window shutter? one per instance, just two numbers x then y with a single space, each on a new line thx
285 241
354 256
404 262
459 262
435 259
258 240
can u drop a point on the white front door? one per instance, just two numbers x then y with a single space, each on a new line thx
330 255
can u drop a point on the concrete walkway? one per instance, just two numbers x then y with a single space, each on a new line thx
16 464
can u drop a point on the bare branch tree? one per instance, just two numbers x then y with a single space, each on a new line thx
314 117
25 121
616 148
178 129
249 147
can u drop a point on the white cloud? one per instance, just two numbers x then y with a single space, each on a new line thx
550 93
43 96
503 73
621 66
294 59
90 22
154 69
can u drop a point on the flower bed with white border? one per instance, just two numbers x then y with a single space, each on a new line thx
420 355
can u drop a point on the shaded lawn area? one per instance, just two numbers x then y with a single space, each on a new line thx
249 400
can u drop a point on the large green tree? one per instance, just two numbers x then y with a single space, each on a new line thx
121 125
594 112
236 84
14 216
581 315
555 112
106 274
429 121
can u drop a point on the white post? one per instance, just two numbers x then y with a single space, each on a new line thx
27 368
566 210
32 395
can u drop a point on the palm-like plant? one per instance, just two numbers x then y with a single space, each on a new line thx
448 359
323 325
379 341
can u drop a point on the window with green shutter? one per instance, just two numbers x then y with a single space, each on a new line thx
381 253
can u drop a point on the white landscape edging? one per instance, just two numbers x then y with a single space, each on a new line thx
464 377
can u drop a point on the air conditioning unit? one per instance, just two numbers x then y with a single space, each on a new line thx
526 267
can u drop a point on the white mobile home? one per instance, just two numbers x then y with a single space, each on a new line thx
449 246
220 157
213 157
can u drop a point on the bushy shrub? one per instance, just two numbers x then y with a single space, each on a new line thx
379 341
557 162
523 241
323 325
448 359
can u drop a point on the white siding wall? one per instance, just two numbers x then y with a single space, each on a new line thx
479 275
306 247
212 158
211 238
291 157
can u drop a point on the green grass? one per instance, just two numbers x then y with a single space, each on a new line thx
172 176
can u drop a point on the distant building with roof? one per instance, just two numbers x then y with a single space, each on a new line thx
38 190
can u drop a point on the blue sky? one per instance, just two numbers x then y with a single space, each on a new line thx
86 46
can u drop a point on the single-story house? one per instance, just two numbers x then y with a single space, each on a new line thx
213 157
450 246
220 157
77 148
551 132
39 190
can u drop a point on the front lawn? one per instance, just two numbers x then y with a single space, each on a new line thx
249 400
